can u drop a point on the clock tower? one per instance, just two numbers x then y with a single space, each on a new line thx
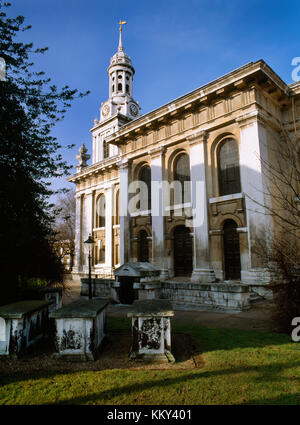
120 108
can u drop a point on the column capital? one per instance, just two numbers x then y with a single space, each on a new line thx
124 163
249 118
156 151
199 136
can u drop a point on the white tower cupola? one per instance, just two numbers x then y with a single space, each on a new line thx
120 72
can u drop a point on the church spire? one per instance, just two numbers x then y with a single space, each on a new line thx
120 48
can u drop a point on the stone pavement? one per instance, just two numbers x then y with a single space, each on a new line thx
257 318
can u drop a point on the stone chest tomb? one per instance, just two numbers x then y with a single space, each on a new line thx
151 331
22 324
80 329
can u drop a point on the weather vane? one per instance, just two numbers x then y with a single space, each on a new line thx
121 23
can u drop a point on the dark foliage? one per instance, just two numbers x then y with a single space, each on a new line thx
29 155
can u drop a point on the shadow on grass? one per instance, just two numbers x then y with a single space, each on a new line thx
265 373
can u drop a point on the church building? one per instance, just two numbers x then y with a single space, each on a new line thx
200 187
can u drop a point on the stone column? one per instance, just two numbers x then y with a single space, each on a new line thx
124 215
78 234
202 271
109 212
158 220
253 147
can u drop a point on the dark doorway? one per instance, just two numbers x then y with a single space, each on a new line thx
183 251
126 291
143 246
232 257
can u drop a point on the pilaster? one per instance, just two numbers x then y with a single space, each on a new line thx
159 259
202 271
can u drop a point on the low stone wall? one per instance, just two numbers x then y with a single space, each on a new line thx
223 296
101 288
183 295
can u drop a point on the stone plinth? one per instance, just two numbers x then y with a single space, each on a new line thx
80 329
21 325
151 331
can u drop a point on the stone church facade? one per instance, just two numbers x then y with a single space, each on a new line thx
217 135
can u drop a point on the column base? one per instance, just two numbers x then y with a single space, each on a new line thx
164 274
203 276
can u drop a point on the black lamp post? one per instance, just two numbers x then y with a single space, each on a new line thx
90 242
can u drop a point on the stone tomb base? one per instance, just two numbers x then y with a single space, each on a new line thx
151 331
80 329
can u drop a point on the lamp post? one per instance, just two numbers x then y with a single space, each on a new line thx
90 242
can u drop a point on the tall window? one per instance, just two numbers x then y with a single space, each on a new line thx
229 168
145 176
105 149
182 174
100 211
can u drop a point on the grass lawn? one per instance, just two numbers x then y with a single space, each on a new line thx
240 367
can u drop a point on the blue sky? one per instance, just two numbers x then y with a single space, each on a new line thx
175 46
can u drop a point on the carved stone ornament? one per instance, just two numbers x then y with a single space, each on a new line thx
82 158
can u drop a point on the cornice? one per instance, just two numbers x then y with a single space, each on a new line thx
95 168
218 88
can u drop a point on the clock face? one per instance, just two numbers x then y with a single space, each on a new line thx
105 110
133 109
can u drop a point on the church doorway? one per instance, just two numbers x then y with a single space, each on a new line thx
232 257
143 254
183 251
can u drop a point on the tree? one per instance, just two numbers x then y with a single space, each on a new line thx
280 244
63 241
29 155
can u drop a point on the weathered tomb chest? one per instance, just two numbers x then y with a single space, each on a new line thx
21 325
80 329
151 331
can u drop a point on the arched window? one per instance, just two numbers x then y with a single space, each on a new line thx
105 149
127 88
143 246
182 175
100 211
145 176
117 218
229 168
120 87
